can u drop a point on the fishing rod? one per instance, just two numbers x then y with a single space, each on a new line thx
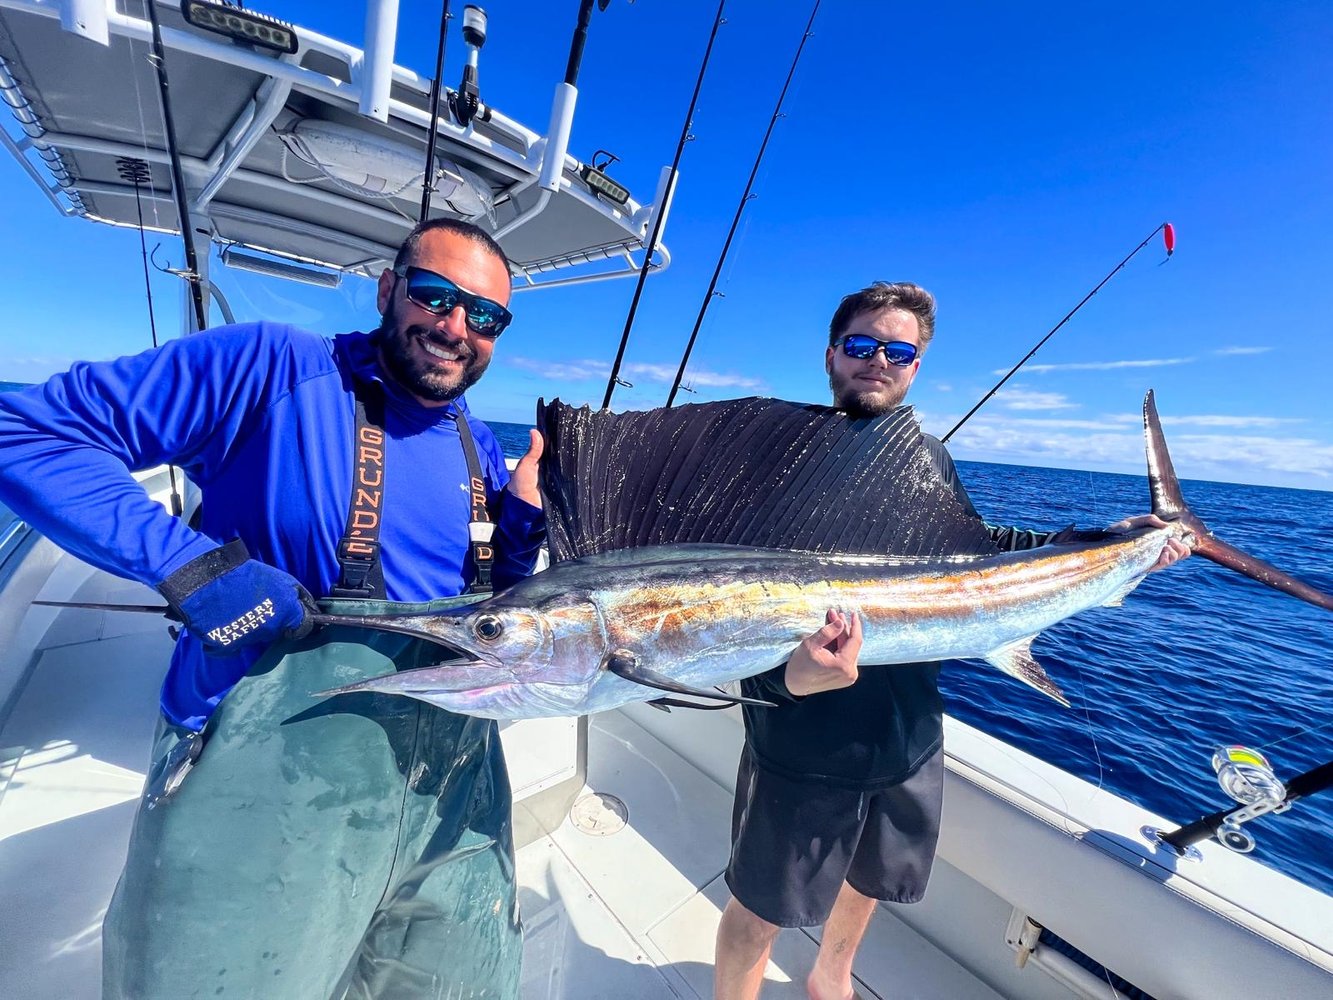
1248 778
159 60
1168 232
651 245
428 187
740 208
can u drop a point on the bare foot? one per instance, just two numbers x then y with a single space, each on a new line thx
818 988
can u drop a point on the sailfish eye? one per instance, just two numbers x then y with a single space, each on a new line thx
488 628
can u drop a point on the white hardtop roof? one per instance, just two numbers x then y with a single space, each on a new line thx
276 155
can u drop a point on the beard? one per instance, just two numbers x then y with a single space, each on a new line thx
421 378
862 403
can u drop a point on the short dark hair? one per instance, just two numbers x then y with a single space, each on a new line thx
884 295
458 227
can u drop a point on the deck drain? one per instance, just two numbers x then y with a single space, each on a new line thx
599 814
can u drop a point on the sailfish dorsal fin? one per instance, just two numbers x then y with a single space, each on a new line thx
756 471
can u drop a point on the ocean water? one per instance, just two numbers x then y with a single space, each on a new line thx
1198 656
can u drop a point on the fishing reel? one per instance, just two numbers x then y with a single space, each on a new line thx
1247 777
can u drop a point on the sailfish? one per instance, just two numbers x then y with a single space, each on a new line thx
699 545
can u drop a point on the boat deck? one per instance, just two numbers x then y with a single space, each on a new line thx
608 911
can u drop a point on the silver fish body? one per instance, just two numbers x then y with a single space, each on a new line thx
708 614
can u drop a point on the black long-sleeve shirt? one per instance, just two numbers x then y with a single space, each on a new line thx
877 731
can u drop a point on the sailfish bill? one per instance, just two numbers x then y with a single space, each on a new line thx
699 545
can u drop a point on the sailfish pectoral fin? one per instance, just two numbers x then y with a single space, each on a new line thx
1016 660
623 663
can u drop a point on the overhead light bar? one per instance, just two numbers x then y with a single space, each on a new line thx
241 25
280 269
603 185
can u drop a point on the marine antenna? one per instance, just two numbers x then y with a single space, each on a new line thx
745 197
657 225
1168 232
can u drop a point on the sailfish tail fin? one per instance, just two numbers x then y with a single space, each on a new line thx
1169 505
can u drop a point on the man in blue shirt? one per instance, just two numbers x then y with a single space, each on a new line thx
288 846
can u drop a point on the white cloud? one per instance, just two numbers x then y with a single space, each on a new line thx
1100 366
1208 420
1114 445
1026 399
563 371
1226 351
695 377
592 369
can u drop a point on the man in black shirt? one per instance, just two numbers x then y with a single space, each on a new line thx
839 788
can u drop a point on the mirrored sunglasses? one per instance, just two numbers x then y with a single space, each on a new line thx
861 347
437 294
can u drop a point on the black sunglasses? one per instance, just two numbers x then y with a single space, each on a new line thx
437 294
861 347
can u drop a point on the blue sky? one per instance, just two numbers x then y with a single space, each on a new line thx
1004 156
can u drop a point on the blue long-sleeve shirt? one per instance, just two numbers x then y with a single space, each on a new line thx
261 417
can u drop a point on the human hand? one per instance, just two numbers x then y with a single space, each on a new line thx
228 600
523 481
1174 551
826 660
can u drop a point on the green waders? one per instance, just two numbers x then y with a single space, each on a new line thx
356 846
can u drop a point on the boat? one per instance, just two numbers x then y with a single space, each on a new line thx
300 162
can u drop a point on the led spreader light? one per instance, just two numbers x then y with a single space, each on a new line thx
603 185
241 25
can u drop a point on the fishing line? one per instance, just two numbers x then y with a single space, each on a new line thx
740 207
1091 731
143 123
139 173
651 245
1303 732
1169 235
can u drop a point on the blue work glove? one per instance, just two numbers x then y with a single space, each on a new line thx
229 600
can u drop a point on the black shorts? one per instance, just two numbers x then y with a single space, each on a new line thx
793 843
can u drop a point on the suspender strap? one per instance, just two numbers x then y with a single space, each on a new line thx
360 571
481 527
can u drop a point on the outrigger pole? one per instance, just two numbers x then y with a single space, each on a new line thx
745 197
614 380
177 176
1168 232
